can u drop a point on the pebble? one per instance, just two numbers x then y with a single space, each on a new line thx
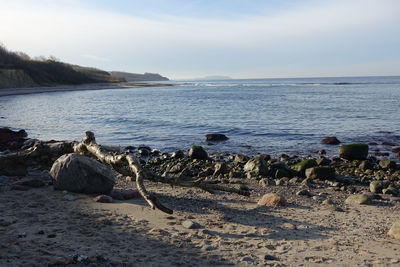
188 224
103 199
69 197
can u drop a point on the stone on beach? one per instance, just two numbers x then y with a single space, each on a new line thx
387 164
197 152
354 151
394 231
80 174
321 172
303 165
10 139
272 200
359 199
103 199
256 166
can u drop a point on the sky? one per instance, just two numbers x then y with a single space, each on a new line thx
195 38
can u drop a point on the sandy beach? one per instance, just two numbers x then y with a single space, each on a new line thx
62 88
39 227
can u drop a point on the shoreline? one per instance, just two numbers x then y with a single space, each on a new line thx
81 87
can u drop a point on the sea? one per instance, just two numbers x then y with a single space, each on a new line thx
269 116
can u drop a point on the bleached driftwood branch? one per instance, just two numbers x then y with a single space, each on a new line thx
89 146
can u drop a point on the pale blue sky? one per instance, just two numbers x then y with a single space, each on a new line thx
185 39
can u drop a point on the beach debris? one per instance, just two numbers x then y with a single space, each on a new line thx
272 200
80 174
359 199
394 231
103 199
128 164
354 151
332 140
216 137
197 152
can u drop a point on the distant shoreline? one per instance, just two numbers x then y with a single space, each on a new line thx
80 87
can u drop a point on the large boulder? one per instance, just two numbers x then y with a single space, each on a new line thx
354 151
321 172
10 139
256 166
197 152
332 140
80 174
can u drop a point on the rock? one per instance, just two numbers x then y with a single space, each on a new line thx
189 224
323 161
10 139
330 140
270 258
394 231
241 158
303 165
360 199
216 137
256 166
389 144
391 190
69 197
354 151
144 151
396 150
197 152
304 192
327 202
103 199
80 174
220 168
125 194
178 154
319 198
387 164
321 172
377 186
366 165
272 200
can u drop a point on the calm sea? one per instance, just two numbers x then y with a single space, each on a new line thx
258 115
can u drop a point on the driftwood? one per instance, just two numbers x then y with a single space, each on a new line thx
125 163
89 146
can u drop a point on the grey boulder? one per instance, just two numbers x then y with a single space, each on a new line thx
80 174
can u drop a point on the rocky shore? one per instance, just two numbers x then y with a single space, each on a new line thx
302 211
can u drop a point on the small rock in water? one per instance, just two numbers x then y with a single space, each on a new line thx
272 200
332 140
360 199
103 199
216 137
189 224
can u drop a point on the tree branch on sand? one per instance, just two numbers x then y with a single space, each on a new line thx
125 163
89 146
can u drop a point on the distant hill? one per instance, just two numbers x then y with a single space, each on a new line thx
17 69
135 77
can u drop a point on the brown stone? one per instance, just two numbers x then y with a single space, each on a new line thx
103 199
330 140
272 200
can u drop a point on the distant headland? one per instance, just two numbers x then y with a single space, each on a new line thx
17 69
